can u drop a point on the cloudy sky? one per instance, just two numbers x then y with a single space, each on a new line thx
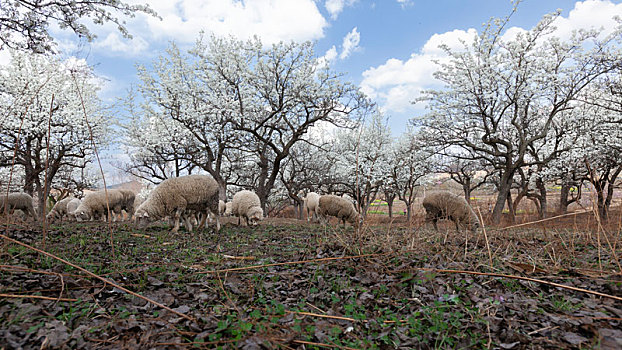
385 46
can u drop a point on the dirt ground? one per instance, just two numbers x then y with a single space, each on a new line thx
292 284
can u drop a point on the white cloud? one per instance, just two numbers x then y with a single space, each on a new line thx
113 43
396 83
589 14
183 20
329 57
350 43
334 7
271 20
404 3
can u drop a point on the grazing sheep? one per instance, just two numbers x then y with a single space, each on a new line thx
59 210
347 196
310 202
15 201
174 196
127 204
73 204
340 207
228 209
94 205
446 205
246 204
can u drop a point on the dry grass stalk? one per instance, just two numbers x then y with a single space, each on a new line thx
253 267
47 165
97 277
35 297
86 119
490 274
485 237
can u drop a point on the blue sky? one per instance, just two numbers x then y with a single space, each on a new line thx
390 51
386 47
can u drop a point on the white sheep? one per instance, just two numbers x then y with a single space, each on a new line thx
174 196
339 207
446 205
72 205
59 210
310 202
127 204
17 201
246 204
228 209
94 204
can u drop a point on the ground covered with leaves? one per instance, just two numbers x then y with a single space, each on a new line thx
288 284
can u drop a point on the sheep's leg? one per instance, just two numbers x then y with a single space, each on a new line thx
176 217
239 220
217 222
188 223
434 220
32 213
457 227
203 222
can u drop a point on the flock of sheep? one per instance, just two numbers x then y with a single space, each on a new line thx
195 200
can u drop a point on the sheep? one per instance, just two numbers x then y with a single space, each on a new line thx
446 205
339 207
246 204
15 201
94 204
310 202
176 195
59 210
228 209
127 203
72 205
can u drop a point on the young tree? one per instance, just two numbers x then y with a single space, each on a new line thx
305 169
24 24
503 96
40 96
158 147
410 163
470 174
362 160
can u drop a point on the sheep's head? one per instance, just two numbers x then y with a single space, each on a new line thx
82 214
356 220
52 216
142 218
474 224
228 209
255 214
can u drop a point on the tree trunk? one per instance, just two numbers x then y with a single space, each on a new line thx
222 188
542 198
563 197
504 190
511 207
390 199
299 207
600 202
466 187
